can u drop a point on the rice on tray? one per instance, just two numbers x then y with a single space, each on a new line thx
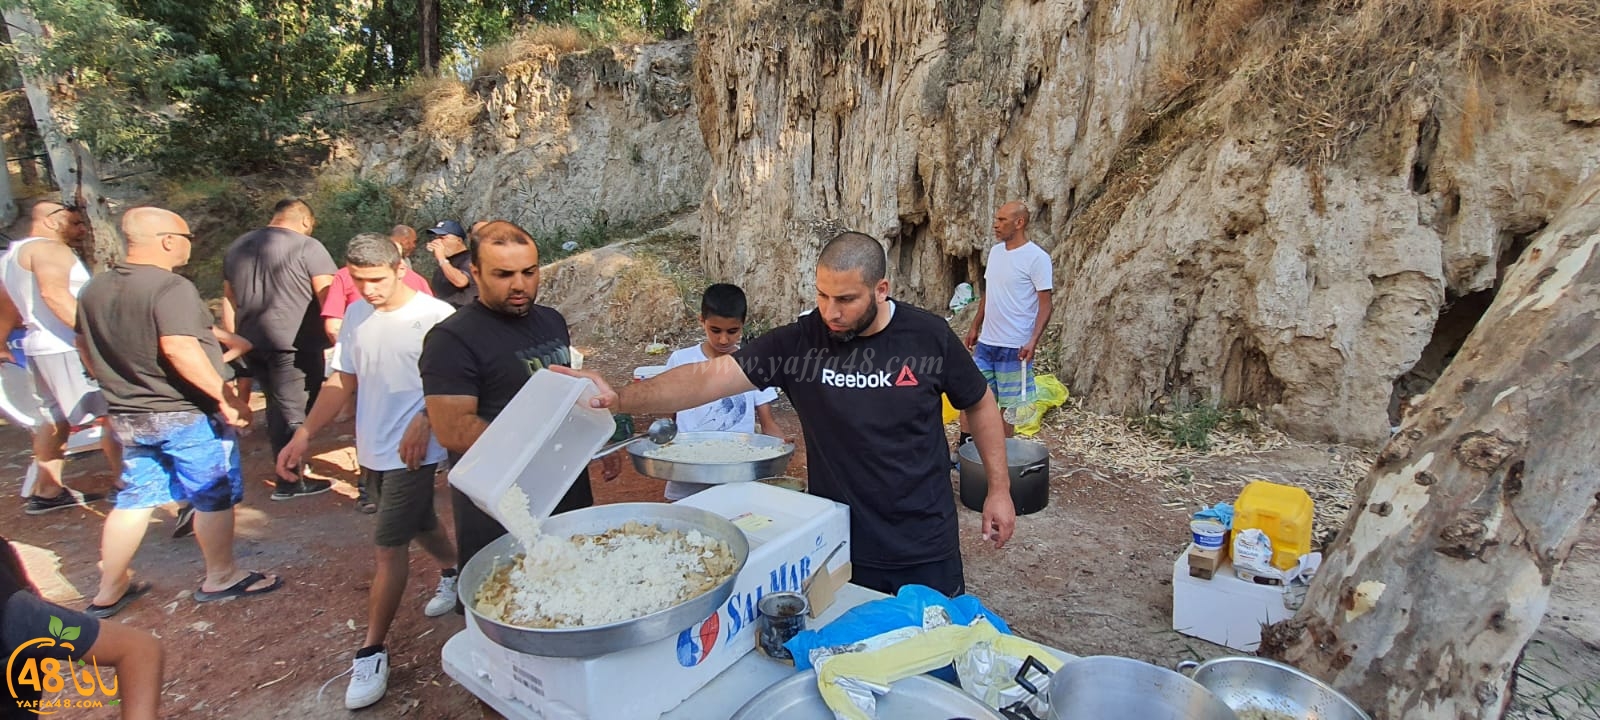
716 451
588 580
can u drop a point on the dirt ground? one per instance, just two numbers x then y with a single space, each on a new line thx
1090 574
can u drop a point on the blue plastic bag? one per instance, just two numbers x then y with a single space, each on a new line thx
892 613
1220 512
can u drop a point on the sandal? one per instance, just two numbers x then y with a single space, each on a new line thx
239 589
136 589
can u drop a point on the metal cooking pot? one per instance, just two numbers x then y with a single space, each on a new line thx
1104 686
602 639
918 697
1028 464
1252 684
711 473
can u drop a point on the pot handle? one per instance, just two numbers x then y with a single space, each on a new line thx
1186 667
1021 677
1036 467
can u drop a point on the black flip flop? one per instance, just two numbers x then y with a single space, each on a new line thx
239 589
135 590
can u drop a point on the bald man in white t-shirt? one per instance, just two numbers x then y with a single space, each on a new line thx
1014 312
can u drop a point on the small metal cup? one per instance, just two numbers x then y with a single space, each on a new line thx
781 617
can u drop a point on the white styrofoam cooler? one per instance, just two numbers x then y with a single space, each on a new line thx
1224 610
790 533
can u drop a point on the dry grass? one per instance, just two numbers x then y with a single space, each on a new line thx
527 43
1343 66
449 108
540 39
1110 447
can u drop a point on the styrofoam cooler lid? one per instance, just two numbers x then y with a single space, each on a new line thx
645 372
17 399
541 441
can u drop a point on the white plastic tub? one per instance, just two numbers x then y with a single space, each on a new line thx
540 442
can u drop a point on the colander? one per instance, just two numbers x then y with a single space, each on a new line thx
1257 687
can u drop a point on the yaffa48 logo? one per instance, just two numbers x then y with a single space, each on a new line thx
51 675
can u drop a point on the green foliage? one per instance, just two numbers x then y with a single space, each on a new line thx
118 66
350 206
597 232
1191 425
214 85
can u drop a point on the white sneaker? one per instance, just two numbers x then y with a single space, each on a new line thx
369 680
444 599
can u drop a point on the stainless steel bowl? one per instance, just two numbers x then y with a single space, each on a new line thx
1106 686
1259 685
712 473
602 639
918 697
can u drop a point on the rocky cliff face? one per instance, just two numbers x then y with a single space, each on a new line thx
553 142
1198 255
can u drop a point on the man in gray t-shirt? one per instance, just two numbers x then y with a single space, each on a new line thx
146 334
274 282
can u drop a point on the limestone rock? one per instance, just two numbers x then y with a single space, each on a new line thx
563 142
1207 266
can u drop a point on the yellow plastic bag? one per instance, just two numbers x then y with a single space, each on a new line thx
950 411
1048 393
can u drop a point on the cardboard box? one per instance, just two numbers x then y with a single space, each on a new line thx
1224 610
1203 563
789 534
821 593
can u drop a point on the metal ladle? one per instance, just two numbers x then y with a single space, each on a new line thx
660 432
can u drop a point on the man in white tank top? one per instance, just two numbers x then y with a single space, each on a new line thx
42 276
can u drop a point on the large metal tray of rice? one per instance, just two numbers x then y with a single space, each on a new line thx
712 458
485 576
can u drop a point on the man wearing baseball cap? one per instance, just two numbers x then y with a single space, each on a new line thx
452 282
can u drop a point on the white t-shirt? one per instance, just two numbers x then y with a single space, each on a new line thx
381 350
1014 280
729 414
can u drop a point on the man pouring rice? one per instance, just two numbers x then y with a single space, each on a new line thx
865 374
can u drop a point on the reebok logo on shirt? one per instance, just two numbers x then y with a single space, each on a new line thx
855 380
869 380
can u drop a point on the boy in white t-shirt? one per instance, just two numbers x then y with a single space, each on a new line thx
722 312
379 344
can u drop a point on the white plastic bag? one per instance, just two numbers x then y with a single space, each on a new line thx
962 297
990 675
1298 580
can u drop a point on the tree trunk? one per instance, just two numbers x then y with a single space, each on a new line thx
8 204
1429 594
75 169
428 13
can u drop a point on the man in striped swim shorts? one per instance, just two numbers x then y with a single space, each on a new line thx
1012 317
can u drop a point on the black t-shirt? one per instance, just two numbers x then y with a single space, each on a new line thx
270 271
874 433
447 291
124 312
25 616
490 355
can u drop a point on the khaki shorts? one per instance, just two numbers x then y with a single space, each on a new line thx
64 390
405 503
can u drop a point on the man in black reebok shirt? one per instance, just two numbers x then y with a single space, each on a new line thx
865 374
476 360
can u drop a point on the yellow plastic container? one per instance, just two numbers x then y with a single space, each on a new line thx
1284 513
